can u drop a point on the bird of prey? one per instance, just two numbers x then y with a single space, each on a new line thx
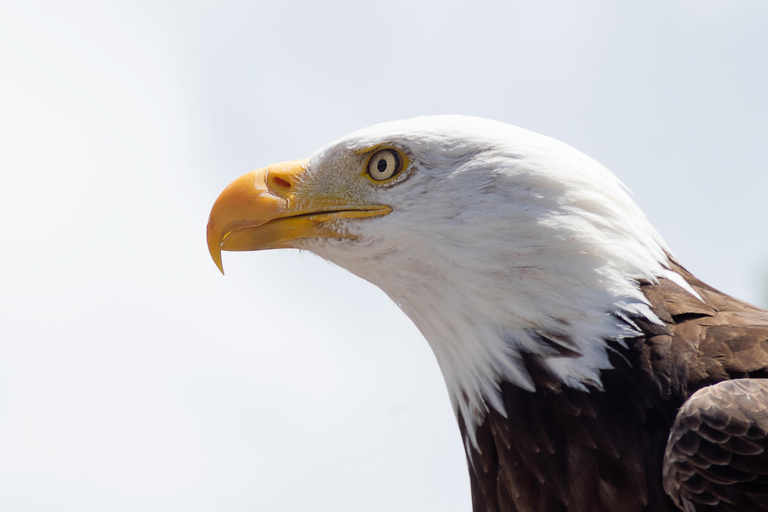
588 369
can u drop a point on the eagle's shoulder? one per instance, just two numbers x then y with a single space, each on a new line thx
703 338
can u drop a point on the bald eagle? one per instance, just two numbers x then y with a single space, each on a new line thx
588 370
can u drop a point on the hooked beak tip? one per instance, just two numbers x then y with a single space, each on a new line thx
214 245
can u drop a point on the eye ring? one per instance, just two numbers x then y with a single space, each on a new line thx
385 164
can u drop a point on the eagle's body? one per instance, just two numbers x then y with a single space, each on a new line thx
568 336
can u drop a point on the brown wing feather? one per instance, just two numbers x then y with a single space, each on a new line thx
717 456
562 449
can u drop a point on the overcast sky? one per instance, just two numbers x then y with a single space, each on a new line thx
134 377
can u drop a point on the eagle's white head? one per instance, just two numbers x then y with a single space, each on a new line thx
494 240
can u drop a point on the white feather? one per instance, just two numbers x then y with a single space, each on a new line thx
497 234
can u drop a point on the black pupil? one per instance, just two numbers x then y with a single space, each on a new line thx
382 165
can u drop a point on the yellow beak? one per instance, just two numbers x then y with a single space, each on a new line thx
262 210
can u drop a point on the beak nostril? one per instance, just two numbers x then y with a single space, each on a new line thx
280 182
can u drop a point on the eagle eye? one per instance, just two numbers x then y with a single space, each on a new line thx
385 164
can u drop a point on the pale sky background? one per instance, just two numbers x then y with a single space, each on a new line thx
134 377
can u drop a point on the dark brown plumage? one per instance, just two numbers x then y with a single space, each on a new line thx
607 446
717 456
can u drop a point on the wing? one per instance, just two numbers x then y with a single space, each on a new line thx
717 456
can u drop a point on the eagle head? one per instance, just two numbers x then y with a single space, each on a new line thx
497 242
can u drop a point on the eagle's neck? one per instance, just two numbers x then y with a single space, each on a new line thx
483 328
